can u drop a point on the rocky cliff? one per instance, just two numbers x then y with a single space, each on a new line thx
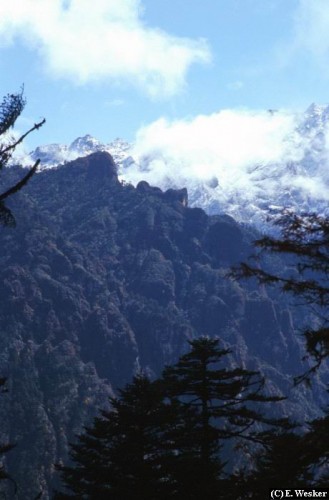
100 279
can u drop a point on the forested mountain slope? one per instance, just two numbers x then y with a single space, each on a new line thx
100 279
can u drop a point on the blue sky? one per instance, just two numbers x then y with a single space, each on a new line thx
114 68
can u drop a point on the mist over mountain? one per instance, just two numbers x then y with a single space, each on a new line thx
245 164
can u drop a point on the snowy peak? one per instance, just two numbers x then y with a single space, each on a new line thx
86 145
316 116
314 123
52 155
49 155
297 178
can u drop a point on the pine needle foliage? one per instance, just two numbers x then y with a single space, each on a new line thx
305 238
163 439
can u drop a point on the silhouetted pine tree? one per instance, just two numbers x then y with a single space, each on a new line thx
305 237
10 109
289 460
283 463
124 454
163 439
316 443
221 401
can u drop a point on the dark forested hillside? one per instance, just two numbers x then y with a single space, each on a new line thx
100 279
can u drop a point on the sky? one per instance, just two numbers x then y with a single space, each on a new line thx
158 70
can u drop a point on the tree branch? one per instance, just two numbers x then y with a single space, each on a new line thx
21 183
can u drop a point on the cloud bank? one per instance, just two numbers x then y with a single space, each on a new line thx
238 161
105 39
229 144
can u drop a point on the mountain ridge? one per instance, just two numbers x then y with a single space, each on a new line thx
101 279
300 183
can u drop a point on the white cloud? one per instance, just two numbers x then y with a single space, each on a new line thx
238 160
228 145
312 29
105 39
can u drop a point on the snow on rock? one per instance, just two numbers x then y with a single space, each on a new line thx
301 182
52 155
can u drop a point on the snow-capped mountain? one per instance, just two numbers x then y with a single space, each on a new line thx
299 179
52 155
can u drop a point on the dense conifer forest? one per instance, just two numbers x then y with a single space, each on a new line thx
178 437
136 364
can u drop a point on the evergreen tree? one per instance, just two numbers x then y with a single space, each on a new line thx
123 455
164 439
221 401
316 443
283 463
305 238
292 460
10 109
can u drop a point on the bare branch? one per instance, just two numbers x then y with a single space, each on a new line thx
12 146
21 183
